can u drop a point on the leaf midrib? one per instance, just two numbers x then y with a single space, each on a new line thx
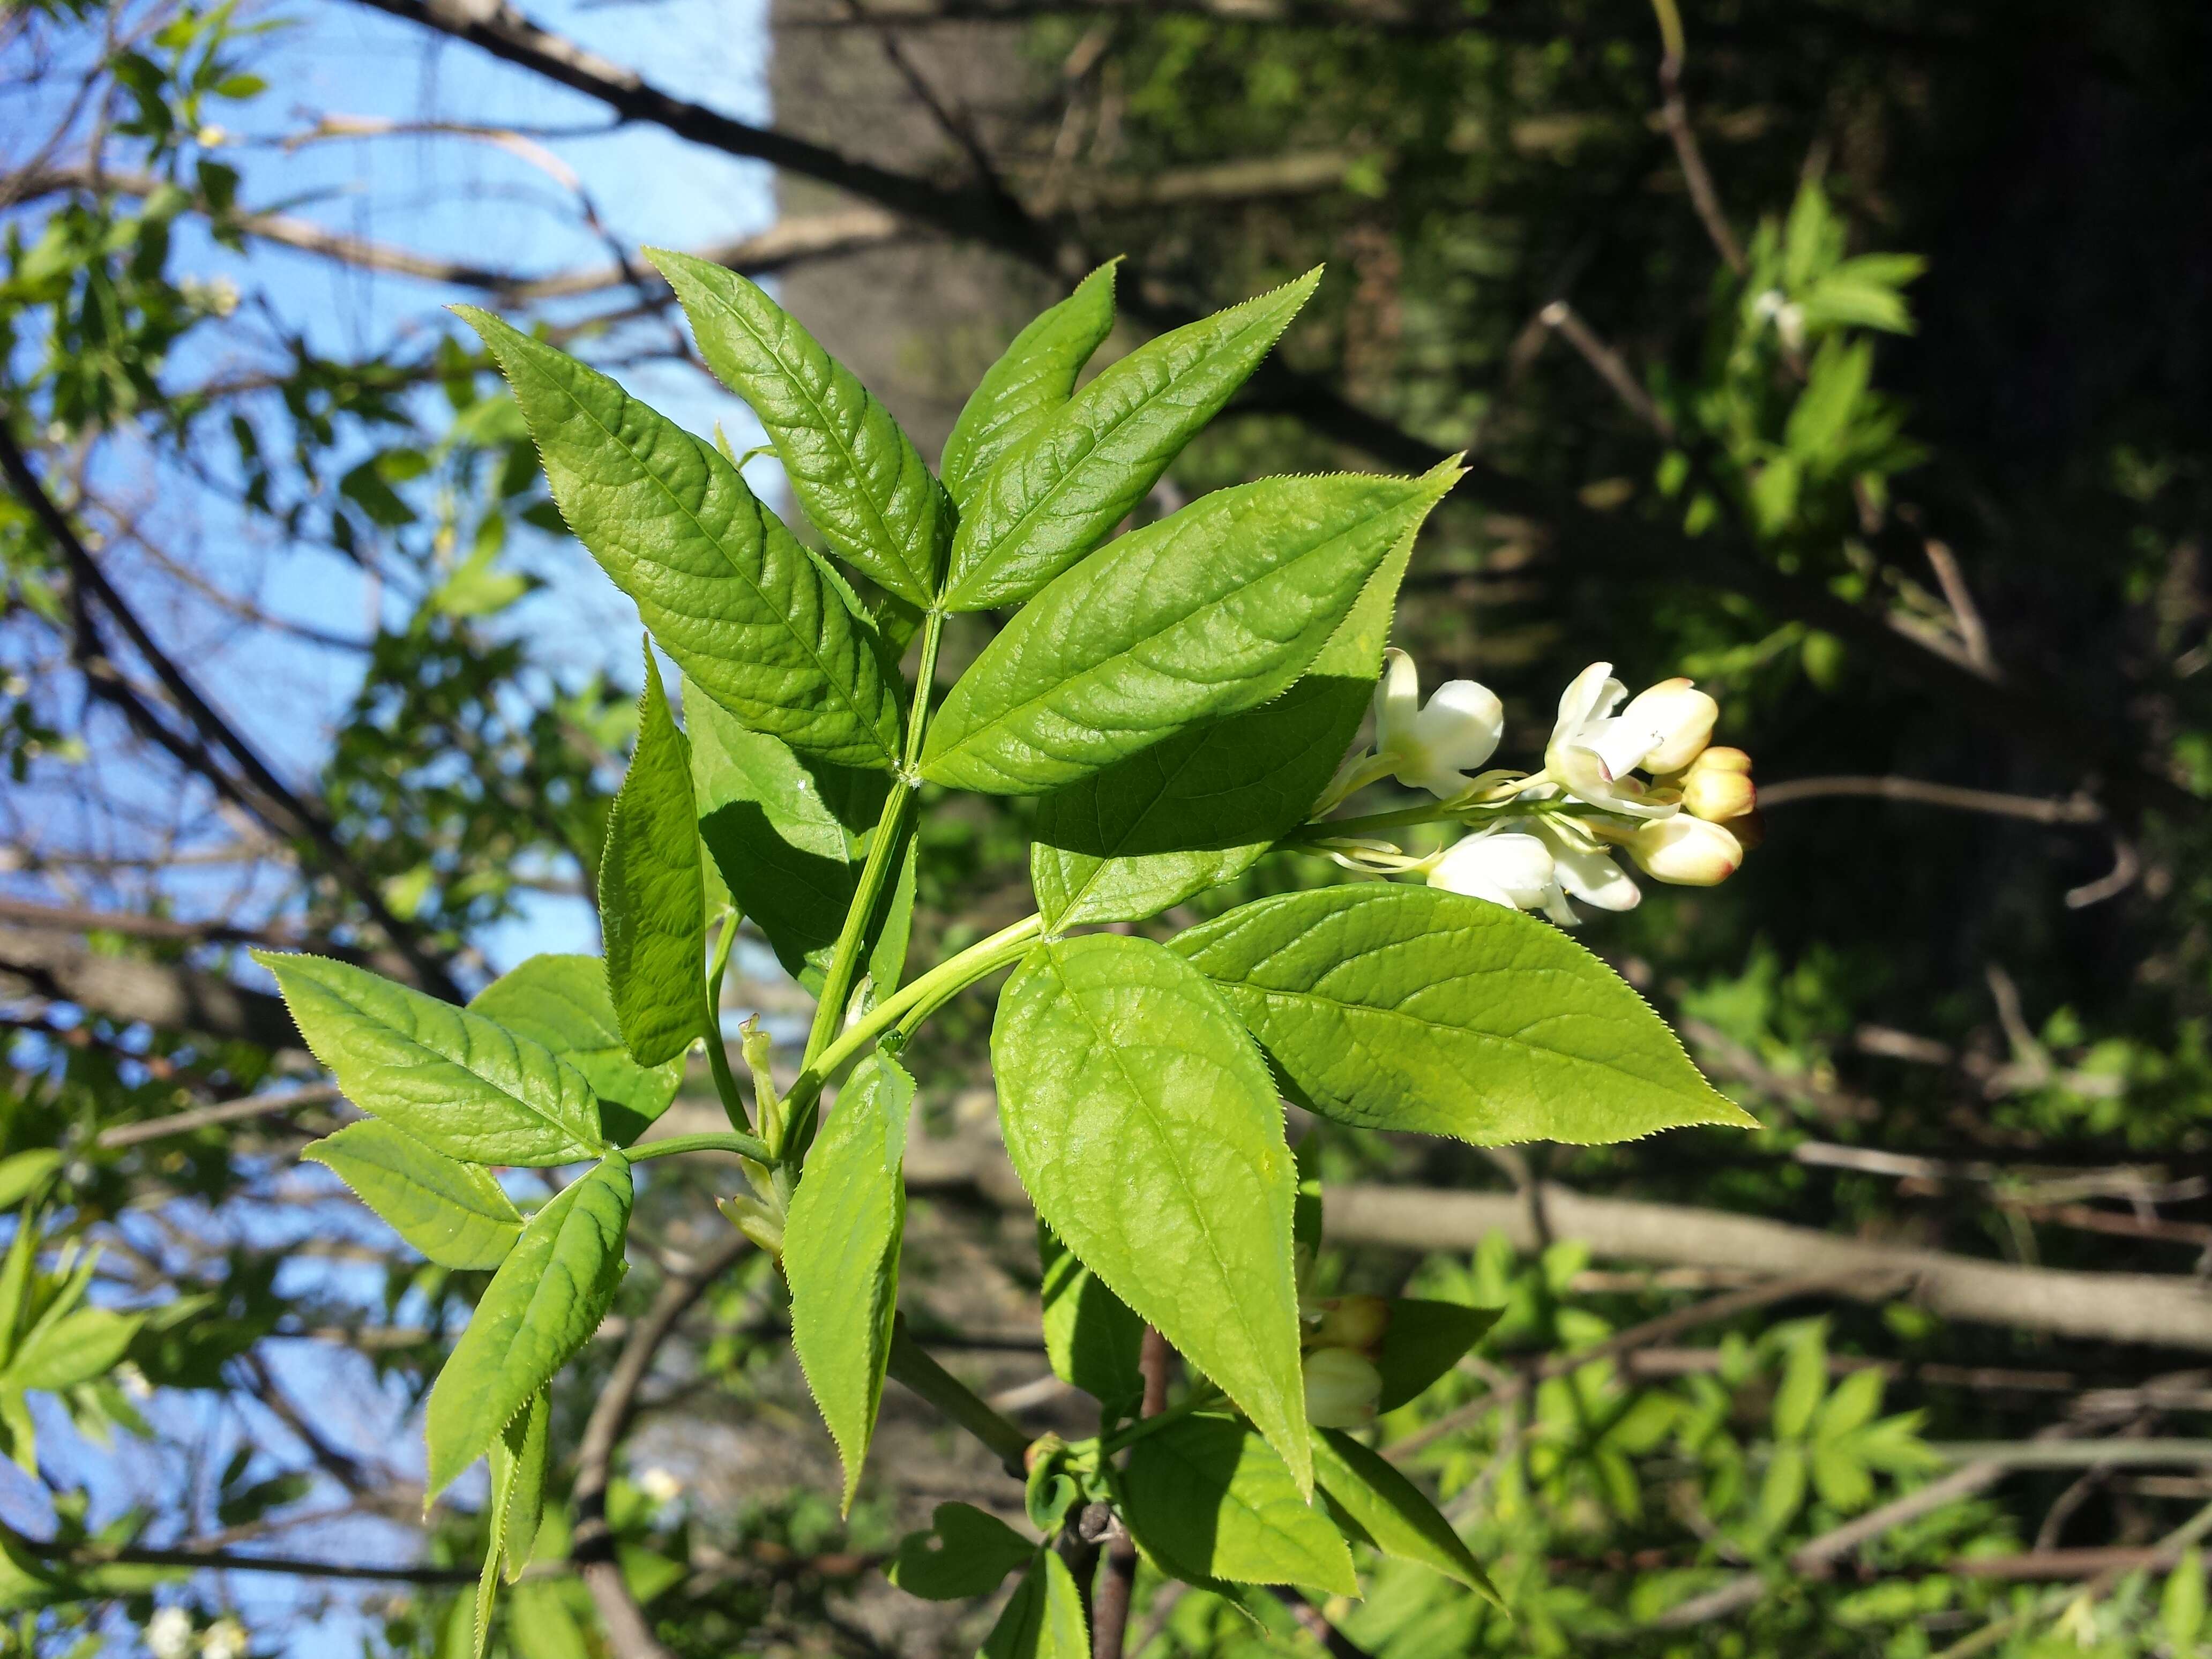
812 654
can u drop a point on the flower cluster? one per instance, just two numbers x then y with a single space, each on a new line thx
1645 778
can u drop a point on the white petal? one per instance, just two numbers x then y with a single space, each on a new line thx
1459 728
1591 693
1679 718
1397 700
1507 868
1591 876
1686 851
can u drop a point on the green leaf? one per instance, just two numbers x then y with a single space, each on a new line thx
1852 1406
1057 495
1208 1498
1205 806
1091 1337
73 1349
1841 1476
966 1552
519 1458
1377 1505
542 1305
542 1626
751 617
852 472
1400 1007
840 1253
453 1213
652 897
1145 1129
1043 1618
783 834
1423 1340
2181 1606
1782 1494
494 1546
1029 383
562 1002
455 1080
1215 610
25 1173
1804 1380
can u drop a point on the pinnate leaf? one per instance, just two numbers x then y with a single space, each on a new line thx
1144 1128
966 1552
840 1253
561 1001
1205 806
1208 1498
542 1305
1377 1505
1215 610
753 619
453 1213
1402 1007
455 1080
1029 383
853 473
1057 495
653 898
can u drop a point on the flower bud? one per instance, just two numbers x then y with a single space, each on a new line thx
1686 851
1342 1389
1351 1322
1679 720
1718 786
1512 870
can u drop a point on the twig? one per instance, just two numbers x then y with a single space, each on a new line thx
1974 634
1117 1580
1563 320
134 1555
2073 808
591 1545
229 1111
1675 111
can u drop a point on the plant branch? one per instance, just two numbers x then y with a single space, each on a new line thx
1674 112
956 1400
228 1111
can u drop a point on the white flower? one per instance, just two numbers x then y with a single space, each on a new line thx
226 1638
1342 1389
661 1486
1511 869
1433 748
1686 851
169 1633
1593 751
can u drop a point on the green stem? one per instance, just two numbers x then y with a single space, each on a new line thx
914 1003
744 1145
718 1052
892 829
1196 1399
957 1400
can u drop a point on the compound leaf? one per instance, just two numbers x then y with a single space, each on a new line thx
1401 1007
453 1213
1055 495
1145 1128
455 1080
542 1305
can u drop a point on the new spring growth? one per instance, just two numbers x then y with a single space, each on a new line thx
1340 1338
1642 779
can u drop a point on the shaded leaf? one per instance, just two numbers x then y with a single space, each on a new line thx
1028 384
562 1002
1090 1336
1378 1505
653 898
1208 1498
966 1552
1423 1340
1043 1619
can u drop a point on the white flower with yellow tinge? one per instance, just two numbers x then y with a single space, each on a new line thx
1433 746
1593 752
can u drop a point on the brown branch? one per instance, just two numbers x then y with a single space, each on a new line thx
2073 808
255 786
272 1104
122 988
1117 1581
1566 322
1674 113
591 1545
82 1556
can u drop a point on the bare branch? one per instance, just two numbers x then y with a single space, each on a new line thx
272 1104
119 988
1674 112
2074 809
